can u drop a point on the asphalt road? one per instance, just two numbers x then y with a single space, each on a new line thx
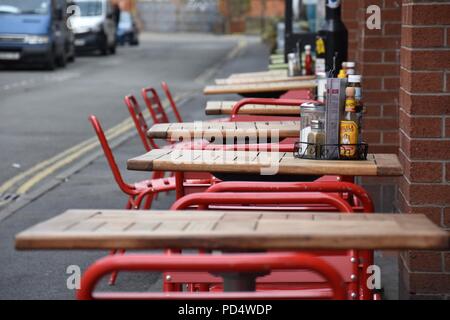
44 113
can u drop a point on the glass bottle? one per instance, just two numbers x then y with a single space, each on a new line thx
316 138
308 61
354 81
349 130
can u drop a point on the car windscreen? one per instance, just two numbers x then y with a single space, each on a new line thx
89 8
24 6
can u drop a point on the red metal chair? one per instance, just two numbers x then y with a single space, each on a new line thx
168 94
357 196
137 191
257 262
154 105
346 260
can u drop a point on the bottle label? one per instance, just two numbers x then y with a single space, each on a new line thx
348 136
320 46
350 105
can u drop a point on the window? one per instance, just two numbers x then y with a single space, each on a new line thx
24 6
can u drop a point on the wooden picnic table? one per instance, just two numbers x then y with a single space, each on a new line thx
262 79
110 229
208 130
267 88
240 162
225 107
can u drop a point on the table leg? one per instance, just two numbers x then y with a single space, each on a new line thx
179 183
240 281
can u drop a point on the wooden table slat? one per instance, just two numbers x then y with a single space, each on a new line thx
239 162
260 87
253 231
261 79
199 129
225 108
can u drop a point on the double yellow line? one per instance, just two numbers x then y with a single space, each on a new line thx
44 169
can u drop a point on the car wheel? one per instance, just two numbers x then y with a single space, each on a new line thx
50 64
104 48
112 49
71 58
62 60
135 41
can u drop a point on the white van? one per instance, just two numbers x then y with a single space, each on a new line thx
94 25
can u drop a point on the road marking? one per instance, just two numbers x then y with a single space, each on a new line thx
45 168
12 181
32 82
69 159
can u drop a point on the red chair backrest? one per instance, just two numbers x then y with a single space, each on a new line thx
139 122
166 90
254 262
317 186
154 105
245 198
128 189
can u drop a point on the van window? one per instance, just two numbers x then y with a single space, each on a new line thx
90 8
24 6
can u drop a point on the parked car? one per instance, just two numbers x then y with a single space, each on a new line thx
95 26
127 31
35 31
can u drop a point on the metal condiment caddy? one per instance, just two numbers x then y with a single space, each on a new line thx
329 133
313 151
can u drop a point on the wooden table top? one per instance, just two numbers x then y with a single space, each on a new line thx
260 87
259 74
102 229
209 129
255 162
225 107
262 79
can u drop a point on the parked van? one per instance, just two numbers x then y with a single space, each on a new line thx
95 26
35 31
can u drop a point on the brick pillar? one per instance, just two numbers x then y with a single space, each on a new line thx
425 139
379 63
377 54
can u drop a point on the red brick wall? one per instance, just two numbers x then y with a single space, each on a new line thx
425 138
350 15
378 61
273 8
